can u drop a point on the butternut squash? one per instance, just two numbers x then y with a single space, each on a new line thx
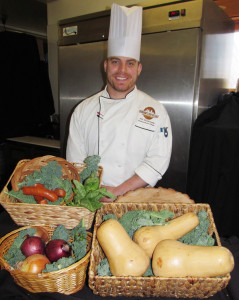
172 258
149 236
125 257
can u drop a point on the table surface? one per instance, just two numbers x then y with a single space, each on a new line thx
10 290
33 140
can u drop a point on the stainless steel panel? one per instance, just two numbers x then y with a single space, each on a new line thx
169 75
80 76
156 18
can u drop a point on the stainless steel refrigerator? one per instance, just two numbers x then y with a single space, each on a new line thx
185 52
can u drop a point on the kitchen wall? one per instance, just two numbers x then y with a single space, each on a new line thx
25 16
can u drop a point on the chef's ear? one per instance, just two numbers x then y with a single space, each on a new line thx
105 64
139 68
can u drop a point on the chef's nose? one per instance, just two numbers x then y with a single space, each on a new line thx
122 67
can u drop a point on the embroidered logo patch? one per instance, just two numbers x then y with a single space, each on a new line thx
149 113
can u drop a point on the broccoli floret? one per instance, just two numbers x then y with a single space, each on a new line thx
46 176
103 268
135 219
199 236
61 263
60 233
91 166
79 245
79 249
79 231
109 216
149 271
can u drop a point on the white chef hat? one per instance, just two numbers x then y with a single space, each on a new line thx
125 31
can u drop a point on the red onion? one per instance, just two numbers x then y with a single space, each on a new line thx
57 249
33 245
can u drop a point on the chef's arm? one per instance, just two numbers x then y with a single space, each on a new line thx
131 184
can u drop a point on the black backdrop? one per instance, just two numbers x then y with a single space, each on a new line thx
213 175
26 101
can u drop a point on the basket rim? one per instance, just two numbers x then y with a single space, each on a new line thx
226 276
42 275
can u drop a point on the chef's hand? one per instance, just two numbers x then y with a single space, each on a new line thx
131 184
111 189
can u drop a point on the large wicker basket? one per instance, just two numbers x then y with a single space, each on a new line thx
24 214
189 287
66 281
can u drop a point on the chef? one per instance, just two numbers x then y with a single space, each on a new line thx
127 128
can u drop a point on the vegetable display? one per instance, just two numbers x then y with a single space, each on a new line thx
30 253
189 246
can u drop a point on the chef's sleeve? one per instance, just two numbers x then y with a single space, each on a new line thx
158 156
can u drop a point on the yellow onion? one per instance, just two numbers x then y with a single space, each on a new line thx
33 264
42 233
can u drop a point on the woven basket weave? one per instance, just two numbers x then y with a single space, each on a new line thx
24 214
130 286
66 281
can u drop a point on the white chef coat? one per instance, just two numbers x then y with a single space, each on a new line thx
131 135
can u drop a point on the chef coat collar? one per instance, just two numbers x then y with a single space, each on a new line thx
129 95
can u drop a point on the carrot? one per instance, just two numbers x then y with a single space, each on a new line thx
40 191
60 192
38 198
43 201
39 185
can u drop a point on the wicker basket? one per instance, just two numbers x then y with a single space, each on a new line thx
66 281
24 214
189 287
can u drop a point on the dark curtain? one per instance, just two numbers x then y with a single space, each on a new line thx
26 101
213 174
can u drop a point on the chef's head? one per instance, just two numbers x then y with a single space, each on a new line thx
122 65
125 31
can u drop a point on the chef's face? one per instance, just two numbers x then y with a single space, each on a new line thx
121 75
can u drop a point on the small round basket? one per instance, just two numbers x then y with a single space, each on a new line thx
66 281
